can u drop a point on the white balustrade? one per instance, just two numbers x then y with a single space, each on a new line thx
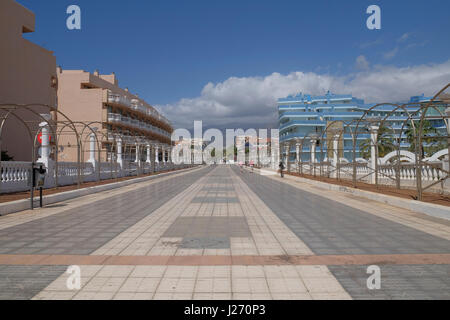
14 176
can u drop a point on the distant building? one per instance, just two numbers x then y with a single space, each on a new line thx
97 99
27 76
304 116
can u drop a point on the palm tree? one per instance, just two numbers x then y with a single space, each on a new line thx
429 137
385 142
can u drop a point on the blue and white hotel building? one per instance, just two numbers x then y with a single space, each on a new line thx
303 116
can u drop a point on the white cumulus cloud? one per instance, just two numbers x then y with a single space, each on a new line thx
251 102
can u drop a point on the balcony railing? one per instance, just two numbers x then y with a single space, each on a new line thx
136 105
119 119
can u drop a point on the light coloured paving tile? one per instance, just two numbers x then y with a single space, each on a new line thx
216 252
115 271
204 286
133 296
148 271
148 285
318 285
136 238
280 272
212 296
172 296
213 285
252 285
251 296
124 296
281 285
331 296
55 295
174 285
83 295
214 272
268 231
181 272
60 283
104 284
131 285
246 272
291 296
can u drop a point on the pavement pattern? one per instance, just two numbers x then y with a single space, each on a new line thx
218 232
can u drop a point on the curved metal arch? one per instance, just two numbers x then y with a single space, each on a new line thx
51 108
364 117
29 108
33 141
420 138
345 124
88 126
410 119
84 142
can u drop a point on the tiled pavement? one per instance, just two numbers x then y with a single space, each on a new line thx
217 233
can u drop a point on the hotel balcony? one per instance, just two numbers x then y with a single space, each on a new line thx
136 106
115 118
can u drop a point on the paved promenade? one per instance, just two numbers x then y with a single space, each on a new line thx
221 233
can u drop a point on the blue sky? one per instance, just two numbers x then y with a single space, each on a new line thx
169 50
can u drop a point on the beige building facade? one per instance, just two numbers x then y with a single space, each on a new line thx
27 77
117 115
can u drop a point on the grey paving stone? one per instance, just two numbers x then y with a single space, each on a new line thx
24 282
205 243
215 200
208 232
329 227
203 227
85 229
397 281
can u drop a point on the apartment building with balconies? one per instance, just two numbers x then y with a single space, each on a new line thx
305 118
97 100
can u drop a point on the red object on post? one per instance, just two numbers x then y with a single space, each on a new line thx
39 137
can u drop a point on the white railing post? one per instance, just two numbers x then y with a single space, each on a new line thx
148 154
